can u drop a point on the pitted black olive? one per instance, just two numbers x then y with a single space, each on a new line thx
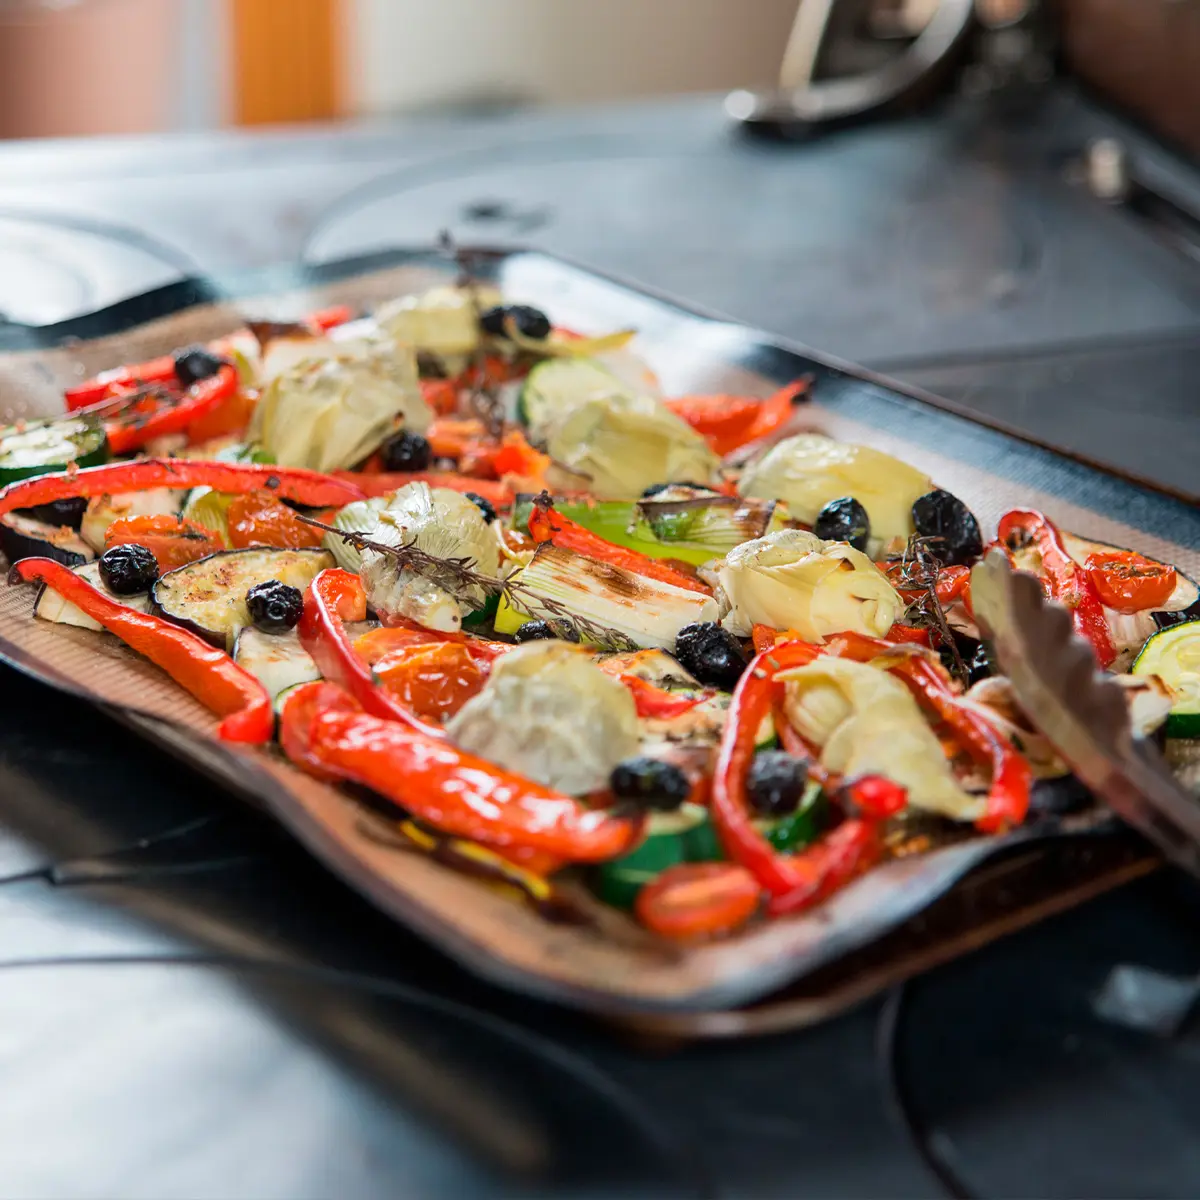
844 520
129 569
650 783
530 322
776 783
940 515
407 452
275 606
196 363
534 631
484 505
711 654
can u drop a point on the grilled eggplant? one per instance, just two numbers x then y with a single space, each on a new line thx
50 606
209 596
23 536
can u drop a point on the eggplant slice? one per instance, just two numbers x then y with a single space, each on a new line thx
22 536
209 596
50 606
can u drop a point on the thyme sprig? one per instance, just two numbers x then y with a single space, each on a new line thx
458 576
917 571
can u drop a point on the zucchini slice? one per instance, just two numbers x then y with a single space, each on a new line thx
209 596
102 511
1173 655
277 660
50 606
22 536
41 449
557 386
669 841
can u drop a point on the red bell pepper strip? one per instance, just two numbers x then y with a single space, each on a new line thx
333 598
208 673
547 525
198 401
912 635
1008 796
325 319
657 702
729 422
1063 578
288 483
829 864
108 383
455 792
383 483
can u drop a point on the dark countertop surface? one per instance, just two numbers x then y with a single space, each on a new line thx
190 1006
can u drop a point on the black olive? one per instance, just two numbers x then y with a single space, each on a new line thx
484 505
129 569
776 783
940 515
711 653
844 520
196 363
491 320
60 512
536 631
651 783
406 452
530 322
275 606
979 665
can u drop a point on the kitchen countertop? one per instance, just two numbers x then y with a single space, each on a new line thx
193 1007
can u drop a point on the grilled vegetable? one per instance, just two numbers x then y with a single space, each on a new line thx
41 448
406 451
275 606
530 322
844 520
529 716
443 321
683 516
809 470
50 606
952 525
668 842
102 511
195 363
209 597
650 783
698 900
277 660
794 580
1173 655
558 387
644 611
710 653
128 570
25 537
776 783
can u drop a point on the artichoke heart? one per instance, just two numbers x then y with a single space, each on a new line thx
330 413
622 444
548 712
868 723
443 321
444 524
791 579
809 470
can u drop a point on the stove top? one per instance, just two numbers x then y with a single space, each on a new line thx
191 1006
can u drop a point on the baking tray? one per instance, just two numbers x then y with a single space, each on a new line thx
900 919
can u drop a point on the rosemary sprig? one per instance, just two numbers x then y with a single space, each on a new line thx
918 572
459 577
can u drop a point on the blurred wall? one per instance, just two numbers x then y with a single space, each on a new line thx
412 53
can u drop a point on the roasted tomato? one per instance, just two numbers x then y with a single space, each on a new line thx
433 681
172 540
259 519
1126 581
695 900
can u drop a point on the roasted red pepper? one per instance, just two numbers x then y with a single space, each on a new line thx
729 422
547 525
123 379
288 483
385 482
457 793
208 673
333 598
1063 579
1008 795
325 319
657 702
829 864
201 399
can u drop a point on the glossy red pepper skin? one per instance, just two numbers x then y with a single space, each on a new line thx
457 793
657 702
828 865
110 383
547 525
201 399
729 422
207 673
1008 795
333 598
288 483
1063 578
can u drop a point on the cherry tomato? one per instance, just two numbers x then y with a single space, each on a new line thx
433 681
698 900
172 540
1128 582
373 646
259 519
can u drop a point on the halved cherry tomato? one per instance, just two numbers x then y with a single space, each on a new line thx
434 681
379 643
173 541
698 900
258 519
1126 581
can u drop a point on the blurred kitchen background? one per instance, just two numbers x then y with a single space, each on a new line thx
79 67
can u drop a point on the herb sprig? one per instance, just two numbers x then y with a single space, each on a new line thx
917 571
